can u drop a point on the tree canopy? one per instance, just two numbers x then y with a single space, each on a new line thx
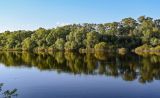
128 33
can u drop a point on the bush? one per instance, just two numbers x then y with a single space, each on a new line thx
157 49
71 45
59 44
143 48
102 46
122 51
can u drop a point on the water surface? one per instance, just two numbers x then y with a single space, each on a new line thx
73 75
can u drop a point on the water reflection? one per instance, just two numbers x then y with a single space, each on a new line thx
7 93
129 67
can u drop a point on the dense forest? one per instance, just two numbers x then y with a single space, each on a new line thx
128 34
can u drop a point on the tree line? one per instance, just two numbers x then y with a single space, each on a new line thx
128 33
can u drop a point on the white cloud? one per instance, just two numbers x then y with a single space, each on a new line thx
60 24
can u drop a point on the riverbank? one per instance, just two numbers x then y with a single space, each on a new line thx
121 51
146 50
142 50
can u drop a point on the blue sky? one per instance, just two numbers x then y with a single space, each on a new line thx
32 14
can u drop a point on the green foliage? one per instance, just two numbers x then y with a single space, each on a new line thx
28 44
144 47
154 41
71 45
7 93
122 51
128 33
102 46
75 40
92 39
59 44
112 28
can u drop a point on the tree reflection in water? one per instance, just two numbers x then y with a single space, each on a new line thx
129 67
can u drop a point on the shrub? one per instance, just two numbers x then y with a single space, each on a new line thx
102 46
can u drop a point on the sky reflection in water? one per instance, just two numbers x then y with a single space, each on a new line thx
70 75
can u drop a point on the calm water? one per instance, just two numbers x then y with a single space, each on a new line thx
72 75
